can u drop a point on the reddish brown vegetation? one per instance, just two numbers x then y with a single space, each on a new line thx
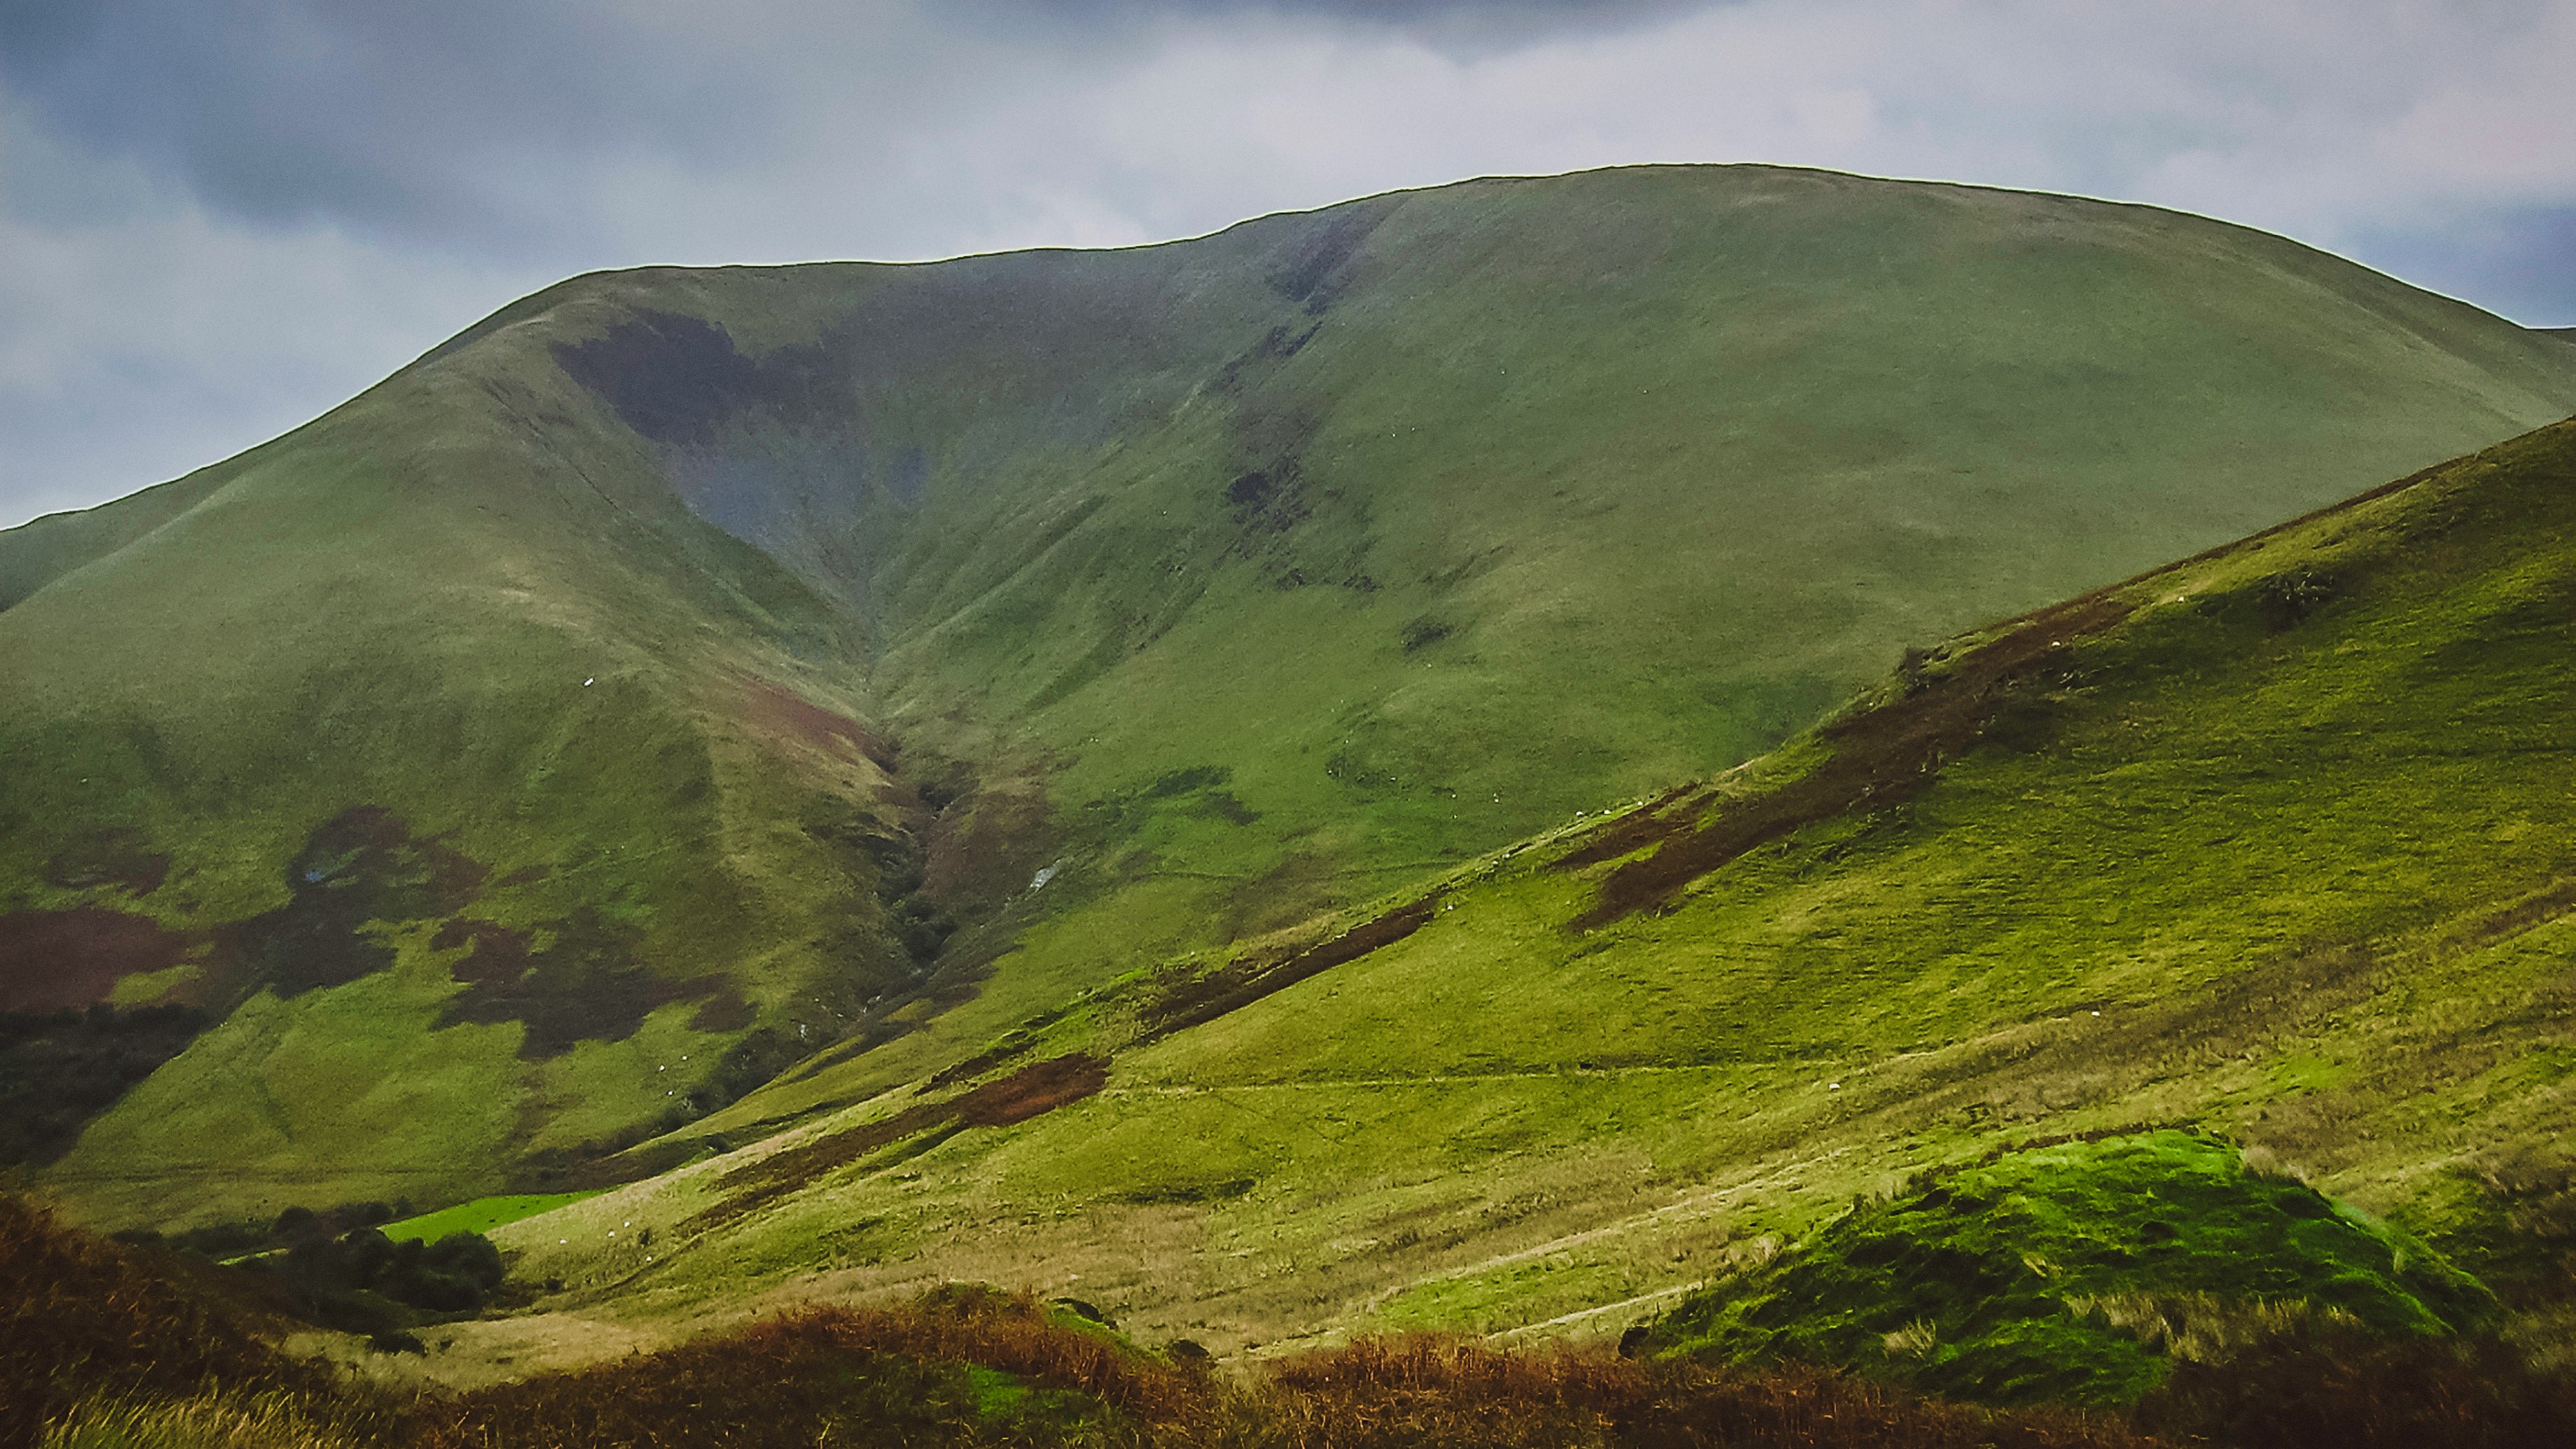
785 715
81 1318
1035 1089
1425 1390
81 1315
1240 983
1879 757
115 856
857 1376
53 959
828 1376
588 984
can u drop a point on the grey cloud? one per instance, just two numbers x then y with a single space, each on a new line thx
2518 262
1491 20
413 118
486 121
222 217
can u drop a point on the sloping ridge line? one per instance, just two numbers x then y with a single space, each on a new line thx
1888 752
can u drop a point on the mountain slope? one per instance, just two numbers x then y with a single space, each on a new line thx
2274 842
684 670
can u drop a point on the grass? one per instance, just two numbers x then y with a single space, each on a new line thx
479 1216
2077 1273
1528 497
262 1421
2297 883
81 1318
969 1365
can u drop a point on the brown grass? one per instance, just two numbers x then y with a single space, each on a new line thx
101 1344
1033 1090
80 1315
829 1375
1881 755
1236 985
1425 1390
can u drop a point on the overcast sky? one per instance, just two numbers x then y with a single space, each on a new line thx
220 217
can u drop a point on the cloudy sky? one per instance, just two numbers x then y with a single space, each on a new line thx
220 217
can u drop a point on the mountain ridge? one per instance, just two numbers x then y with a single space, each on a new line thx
857 657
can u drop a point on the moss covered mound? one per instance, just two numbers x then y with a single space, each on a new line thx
2079 1272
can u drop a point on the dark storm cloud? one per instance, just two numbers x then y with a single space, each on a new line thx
487 118
388 115
222 216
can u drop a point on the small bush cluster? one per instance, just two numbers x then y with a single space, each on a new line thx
364 1282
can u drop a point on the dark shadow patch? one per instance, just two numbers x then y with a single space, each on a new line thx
50 960
1276 346
581 982
360 869
1191 1194
1182 782
117 856
1314 270
724 1011
58 1071
1420 634
1226 806
2285 601
907 475
673 378
1193 791
1266 499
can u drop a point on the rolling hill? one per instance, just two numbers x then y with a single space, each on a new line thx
1925 1044
686 681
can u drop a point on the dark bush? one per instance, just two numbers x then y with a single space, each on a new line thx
364 1282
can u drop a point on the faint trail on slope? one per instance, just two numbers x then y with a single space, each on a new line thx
1581 1314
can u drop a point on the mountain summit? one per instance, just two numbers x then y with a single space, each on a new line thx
690 680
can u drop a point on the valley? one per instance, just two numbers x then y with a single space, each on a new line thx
1531 759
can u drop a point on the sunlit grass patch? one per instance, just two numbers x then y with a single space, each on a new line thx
481 1215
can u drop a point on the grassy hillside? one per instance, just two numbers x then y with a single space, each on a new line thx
1441 516
2271 844
472 810
684 673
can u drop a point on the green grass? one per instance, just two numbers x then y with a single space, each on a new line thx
1404 530
481 1215
2298 883
2069 1273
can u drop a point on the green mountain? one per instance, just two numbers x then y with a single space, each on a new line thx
688 677
1913 1045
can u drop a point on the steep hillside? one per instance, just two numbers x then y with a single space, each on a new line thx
2274 843
450 795
685 671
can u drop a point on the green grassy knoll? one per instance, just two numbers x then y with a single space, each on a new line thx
2066 1273
2273 843
687 673
479 1216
